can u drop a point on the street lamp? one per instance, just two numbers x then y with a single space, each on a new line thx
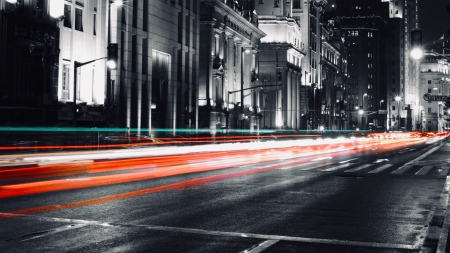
242 86
364 95
361 112
398 98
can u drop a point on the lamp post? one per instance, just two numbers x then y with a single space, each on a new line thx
242 87
361 112
381 101
398 98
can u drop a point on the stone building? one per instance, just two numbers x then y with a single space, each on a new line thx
282 52
229 57
434 81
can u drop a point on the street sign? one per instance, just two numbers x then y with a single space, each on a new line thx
428 97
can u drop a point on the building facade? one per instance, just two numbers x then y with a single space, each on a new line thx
282 53
434 81
229 67
154 89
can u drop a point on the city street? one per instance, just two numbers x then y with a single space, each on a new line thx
368 201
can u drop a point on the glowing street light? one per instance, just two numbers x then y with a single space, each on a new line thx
56 8
416 53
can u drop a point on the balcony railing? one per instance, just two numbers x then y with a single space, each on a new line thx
247 14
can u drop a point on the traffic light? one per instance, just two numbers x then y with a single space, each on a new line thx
416 38
113 55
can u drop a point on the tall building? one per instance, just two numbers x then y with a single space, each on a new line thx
229 67
154 89
395 102
403 70
29 48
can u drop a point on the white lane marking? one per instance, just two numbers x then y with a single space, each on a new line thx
219 233
424 155
424 170
261 247
380 168
381 160
346 161
338 167
359 167
402 169
49 232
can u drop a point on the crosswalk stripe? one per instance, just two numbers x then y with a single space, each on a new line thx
380 168
424 170
360 167
338 167
402 169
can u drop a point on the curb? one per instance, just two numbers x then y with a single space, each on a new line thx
445 206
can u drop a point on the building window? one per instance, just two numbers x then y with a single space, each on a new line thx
429 110
393 107
67 16
429 81
95 24
65 81
145 16
135 13
276 3
79 19
429 90
261 1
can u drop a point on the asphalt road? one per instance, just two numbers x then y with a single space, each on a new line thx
366 202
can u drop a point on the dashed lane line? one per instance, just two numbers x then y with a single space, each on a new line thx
402 169
380 168
338 167
424 170
360 167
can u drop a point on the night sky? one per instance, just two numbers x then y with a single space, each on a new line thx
434 19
